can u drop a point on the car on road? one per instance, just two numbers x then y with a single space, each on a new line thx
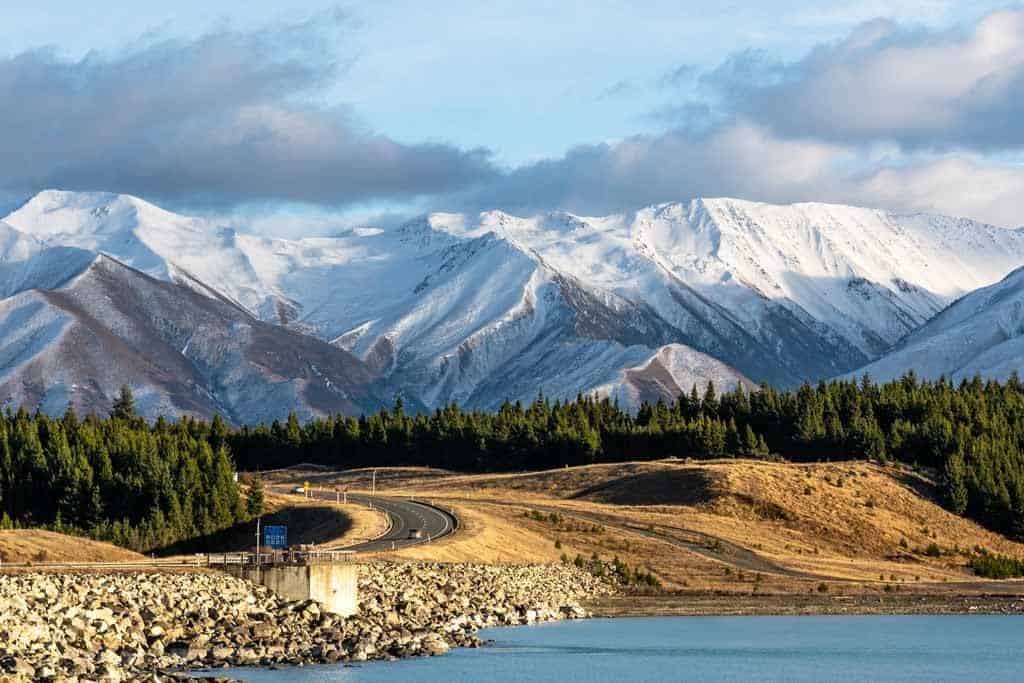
299 489
415 533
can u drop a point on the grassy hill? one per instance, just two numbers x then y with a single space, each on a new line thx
36 545
735 525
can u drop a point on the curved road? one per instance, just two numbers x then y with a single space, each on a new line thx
405 516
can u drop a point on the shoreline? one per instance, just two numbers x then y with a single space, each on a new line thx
692 606
714 605
148 626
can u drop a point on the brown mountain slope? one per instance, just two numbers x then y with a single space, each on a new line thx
182 353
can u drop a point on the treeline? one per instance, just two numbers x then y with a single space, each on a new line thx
118 478
971 432
149 486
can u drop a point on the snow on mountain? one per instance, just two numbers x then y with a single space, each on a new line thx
981 334
782 293
482 308
672 370
183 353
25 263
161 244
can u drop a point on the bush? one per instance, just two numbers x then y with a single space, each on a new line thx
933 550
997 566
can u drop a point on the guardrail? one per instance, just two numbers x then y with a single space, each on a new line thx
277 557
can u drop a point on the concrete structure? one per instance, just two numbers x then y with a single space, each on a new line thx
335 586
327 577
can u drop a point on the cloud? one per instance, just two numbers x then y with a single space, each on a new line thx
935 90
890 116
740 160
678 76
621 88
747 160
959 186
894 117
224 119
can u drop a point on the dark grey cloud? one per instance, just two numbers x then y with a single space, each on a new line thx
889 83
227 118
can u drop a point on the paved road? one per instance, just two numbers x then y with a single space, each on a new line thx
405 515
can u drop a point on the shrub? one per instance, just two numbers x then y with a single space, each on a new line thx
997 566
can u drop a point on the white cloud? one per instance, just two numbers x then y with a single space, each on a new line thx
960 186
749 161
923 89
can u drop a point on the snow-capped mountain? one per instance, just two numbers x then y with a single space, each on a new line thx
673 370
80 325
482 308
981 334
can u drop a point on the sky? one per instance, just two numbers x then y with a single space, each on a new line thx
305 120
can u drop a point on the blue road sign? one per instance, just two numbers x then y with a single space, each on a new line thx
275 537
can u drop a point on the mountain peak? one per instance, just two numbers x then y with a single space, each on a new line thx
55 215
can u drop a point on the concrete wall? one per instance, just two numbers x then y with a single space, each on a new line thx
335 586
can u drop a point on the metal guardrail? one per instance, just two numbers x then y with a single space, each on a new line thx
277 557
198 561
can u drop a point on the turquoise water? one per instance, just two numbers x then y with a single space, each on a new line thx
941 648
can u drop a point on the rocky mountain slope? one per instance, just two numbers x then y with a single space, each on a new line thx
478 309
981 334
108 325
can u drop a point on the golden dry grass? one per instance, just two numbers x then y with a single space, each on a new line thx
36 545
731 525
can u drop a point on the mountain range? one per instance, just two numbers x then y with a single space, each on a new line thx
199 318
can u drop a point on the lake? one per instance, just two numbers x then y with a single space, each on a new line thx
833 648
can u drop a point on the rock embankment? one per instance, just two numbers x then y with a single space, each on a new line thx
131 626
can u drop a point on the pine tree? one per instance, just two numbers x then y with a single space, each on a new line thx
956 483
124 406
254 499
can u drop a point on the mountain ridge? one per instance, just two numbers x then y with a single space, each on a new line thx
479 309
981 334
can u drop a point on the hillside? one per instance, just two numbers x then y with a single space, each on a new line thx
980 334
109 325
480 309
37 545
715 525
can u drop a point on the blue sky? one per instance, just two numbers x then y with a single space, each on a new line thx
397 107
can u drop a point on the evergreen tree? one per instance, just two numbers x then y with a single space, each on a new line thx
956 483
124 406
254 499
